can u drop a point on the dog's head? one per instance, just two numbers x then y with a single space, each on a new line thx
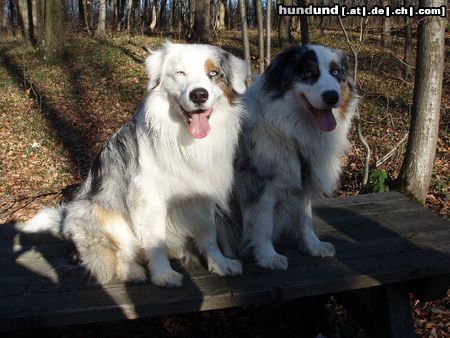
197 79
317 78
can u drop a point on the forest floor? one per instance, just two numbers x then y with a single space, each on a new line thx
55 116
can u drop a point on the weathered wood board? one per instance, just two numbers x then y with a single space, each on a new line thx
380 239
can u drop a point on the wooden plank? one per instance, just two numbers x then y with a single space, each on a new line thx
44 263
210 292
354 223
356 199
423 220
54 276
381 225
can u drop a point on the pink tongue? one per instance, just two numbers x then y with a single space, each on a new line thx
199 125
325 119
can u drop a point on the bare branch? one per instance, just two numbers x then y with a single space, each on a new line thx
392 151
355 52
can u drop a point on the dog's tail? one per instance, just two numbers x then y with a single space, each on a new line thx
75 222
96 250
96 253
46 220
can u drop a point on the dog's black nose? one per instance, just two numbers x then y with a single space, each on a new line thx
330 97
199 95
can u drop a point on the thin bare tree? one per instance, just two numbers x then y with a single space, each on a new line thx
201 29
304 27
153 16
51 19
268 30
101 25
26 17
245 41
284 28
386 38
129 11
407 56
260 20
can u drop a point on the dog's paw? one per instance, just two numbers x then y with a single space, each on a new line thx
321 249
229 267
131 272
169 278
274 262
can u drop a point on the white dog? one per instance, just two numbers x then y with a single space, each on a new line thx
152 191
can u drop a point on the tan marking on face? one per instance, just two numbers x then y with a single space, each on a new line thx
333 65
210 65
219 80
314 68
346 94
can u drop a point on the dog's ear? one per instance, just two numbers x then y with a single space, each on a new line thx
238 74
153 66
278 76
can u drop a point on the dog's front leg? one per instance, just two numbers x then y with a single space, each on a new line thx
308 240
151 221
205 237
258 224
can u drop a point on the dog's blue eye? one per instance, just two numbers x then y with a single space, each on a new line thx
213 73
336 72
308 74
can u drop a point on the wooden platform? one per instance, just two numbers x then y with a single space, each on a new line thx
386 246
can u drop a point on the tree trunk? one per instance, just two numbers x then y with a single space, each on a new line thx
52 22
163 16
386 38
192 5
268 30
260 19
22 6
84 8
172 17
101 27
114 15
245 41
129 10
304 27
415 174
228 14
153 16
201 31
35 9
3 26
181 22
221 15
12 16
407 56
284 30
80 13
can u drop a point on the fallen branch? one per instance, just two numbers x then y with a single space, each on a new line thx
28 200
392 151
366 146
398 78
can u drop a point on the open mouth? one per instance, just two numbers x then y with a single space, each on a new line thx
325 119
198 121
